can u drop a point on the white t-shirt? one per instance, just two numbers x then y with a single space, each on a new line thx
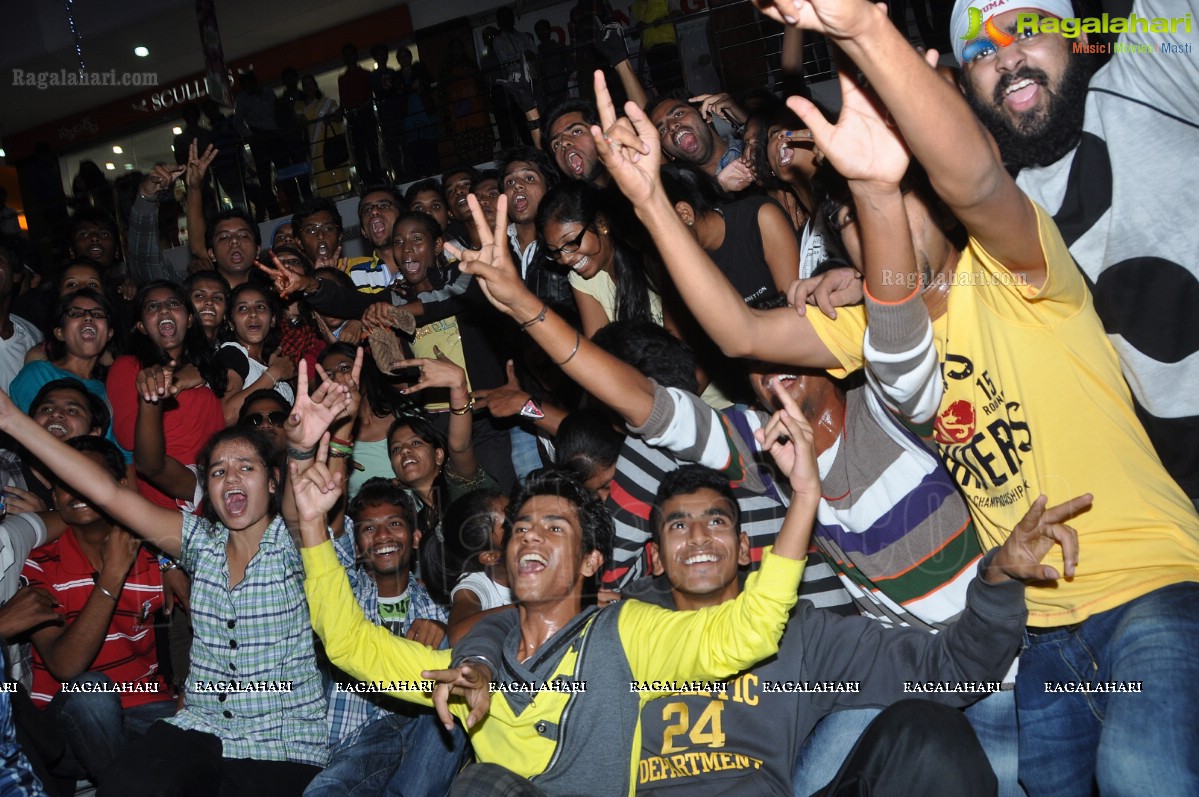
19 534
490 594
1124 201
12 351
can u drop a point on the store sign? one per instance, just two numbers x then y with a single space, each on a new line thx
174 96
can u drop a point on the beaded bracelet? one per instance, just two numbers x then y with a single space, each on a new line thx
300 454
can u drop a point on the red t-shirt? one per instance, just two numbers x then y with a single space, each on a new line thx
187 422
129 653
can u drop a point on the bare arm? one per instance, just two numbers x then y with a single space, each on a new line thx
591 313
149 442
960 157
69 651
444 373
617 384
158 525
779 244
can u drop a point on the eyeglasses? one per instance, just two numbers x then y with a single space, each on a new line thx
94 313
383 205
570 247
169 304
275 418
316 229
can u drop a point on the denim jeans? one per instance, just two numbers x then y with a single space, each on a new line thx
825 750
395 755
97 728
16 775
1114 743
526 458
994 721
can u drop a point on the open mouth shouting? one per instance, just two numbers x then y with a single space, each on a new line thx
168 329
575 163
88 332
236 502
531 564
685 140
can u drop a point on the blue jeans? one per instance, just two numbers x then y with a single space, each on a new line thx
395 755
16 775
1116 743
825 750
994 721
97 728
526 457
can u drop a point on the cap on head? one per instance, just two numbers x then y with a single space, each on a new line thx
968 17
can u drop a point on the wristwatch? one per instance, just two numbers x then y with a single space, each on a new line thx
532 410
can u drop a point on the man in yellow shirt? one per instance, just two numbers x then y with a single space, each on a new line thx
564 716
1033 403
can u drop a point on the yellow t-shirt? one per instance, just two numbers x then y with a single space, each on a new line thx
445 336
1035 403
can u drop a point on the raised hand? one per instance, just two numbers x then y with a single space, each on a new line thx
312 415
285 280
1037 532
471 681
156 382
790 441
837 287
387 316
504 401
838 19
629 147
159 179
492 264
719 104
439 372
316 490
864 144
197 165
328 261
350 380
119 553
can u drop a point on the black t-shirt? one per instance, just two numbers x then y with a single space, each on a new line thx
741 256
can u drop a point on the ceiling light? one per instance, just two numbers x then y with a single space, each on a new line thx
116 150
140 51
110 166
177 131
3 154
128 167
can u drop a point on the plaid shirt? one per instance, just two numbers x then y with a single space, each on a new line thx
145 261
349 712
259 631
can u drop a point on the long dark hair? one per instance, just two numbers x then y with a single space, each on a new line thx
197 350
577 201
57 349
273 336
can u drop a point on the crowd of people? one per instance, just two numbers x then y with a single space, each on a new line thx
718 445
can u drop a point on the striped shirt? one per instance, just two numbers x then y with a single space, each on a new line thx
683 429
253 682
892 520
350 712
128 654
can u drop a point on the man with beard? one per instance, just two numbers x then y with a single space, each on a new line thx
1113 164
232 240
688 138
